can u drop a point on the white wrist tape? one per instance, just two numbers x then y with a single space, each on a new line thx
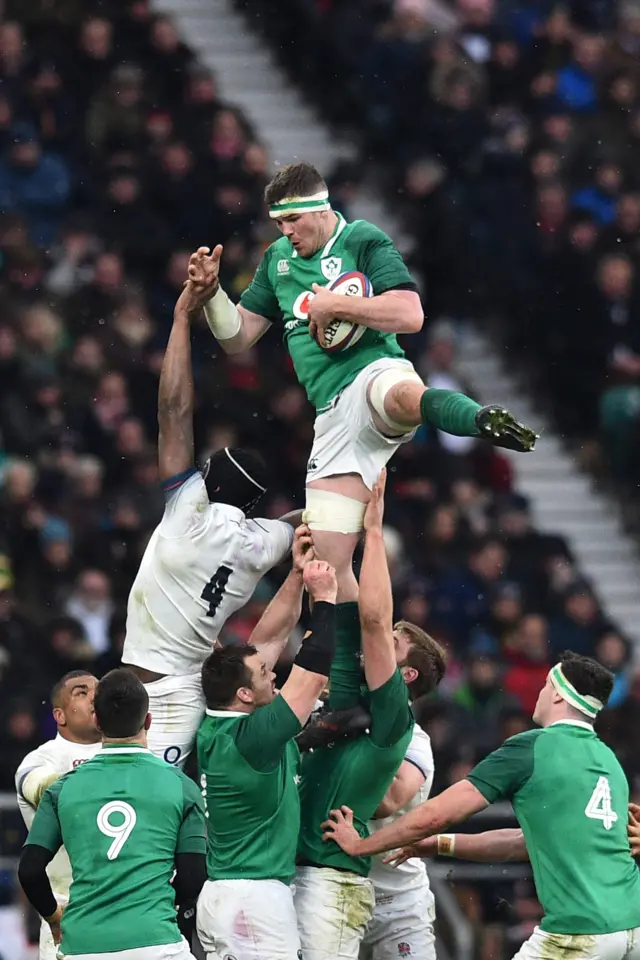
222 316
446 844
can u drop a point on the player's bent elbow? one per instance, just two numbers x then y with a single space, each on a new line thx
414 320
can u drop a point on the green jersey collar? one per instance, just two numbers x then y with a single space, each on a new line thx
117 748
226 713
573 723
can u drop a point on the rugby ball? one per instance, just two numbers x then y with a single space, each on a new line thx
342 334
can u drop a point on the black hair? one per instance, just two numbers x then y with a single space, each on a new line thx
236 476
294 180
121 704
58 687
588 676
224 672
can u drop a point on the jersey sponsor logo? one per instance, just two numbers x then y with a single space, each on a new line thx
404 949
76 763
312 465
283 266
172 754
331 267
292 324
300 307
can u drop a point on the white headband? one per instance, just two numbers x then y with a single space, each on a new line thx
244 472
312 204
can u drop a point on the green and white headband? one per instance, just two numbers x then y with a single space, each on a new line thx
313 204
590 706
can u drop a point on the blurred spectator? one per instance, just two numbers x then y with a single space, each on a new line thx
90 604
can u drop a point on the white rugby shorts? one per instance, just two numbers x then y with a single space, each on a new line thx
248 920
401 926
346 440
177 706
167 951
334 908
624 945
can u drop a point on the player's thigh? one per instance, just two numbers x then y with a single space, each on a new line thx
546 946
248 920
346 439
402 927
333 910
176 705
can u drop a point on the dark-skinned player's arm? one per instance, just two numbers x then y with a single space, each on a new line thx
273 629
492 846
235 328
42 844
455 804
176 391
375 600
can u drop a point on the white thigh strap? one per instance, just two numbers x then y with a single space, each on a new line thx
333 511
380 387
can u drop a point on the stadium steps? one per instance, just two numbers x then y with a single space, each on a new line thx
563 500
249 77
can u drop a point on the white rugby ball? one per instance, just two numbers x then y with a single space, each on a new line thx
342 334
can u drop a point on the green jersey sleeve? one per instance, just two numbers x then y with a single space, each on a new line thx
391 715
501 774
192 836
379 260
46 830
260 297
262 738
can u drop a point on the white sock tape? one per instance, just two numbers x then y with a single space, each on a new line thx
333 511
380 387
222 316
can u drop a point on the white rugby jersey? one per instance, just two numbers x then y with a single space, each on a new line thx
55 757
202 563
387 879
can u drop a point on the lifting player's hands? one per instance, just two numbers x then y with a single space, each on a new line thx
424 848
633 829
375 508
321 311
339 827
303 551
194 297
204 267
321 581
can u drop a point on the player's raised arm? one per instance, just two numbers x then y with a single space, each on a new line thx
176 393
312 665
492 846
234 327
273 629
375 600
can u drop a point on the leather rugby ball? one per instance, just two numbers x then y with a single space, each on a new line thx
342 334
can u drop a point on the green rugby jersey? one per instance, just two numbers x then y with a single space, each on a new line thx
357 773
122 817
570 796
248 765
282 287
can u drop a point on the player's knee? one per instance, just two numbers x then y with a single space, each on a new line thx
333 512
398 406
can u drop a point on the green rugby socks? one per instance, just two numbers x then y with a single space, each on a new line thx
450 411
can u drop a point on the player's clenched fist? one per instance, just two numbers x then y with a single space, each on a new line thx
204 267
320 580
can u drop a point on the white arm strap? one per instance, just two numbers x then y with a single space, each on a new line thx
222 316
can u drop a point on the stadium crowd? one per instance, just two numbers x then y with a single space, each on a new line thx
509 134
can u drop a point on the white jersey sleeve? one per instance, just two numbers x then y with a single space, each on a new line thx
36 772
186 505
271 541
388 880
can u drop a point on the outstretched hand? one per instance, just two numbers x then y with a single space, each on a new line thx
339 827
633 829
374 513
424 848
204 268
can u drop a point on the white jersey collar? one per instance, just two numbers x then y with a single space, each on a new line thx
116 748
226 713
339 228
573 723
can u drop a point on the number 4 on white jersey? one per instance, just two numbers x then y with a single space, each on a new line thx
599 806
